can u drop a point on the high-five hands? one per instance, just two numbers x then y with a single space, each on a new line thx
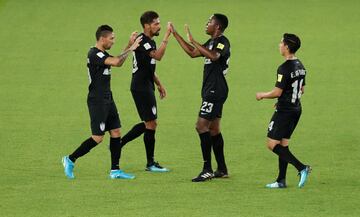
188 33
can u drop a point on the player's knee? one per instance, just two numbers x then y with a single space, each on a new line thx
151 125
115 133
214 131
271 145
201 128
97 139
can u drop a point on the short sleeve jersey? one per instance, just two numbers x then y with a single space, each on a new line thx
99 74
290 78
143 66
214 85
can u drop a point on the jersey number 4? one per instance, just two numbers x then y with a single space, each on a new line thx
296 90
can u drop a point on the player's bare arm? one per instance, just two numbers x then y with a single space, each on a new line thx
212 55
132 45
188 48
160 87
274 93
159 53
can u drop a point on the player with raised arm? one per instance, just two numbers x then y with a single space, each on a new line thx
142 86
102 109
214 92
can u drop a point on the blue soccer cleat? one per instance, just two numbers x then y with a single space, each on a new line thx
68 167
276 185
119 174
155 167
304 174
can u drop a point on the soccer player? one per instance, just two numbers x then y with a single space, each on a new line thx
142 86
288 89
214 92
102 109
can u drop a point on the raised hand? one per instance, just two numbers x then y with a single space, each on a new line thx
172 28
136 43
188 34
133 37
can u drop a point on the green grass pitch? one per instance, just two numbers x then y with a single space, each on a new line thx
43 113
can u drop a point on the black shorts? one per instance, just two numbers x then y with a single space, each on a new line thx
145 104
211 109
103 117
283 124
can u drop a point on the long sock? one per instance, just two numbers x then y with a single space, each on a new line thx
149 140
135 132
286 155
84 148
205 142
218 147
115 150
282 169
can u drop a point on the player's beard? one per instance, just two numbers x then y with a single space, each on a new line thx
157 33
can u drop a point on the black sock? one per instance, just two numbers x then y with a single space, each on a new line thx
149 140
115 150
135 132
286 155
282 169
84 148
205 141
218 147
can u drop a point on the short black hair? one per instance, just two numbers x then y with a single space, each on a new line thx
292 41
147 17
102 31
221 20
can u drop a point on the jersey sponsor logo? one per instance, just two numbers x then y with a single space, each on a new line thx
153 61
147 46
279 78
100 54
153 109
220 46
102 126
107 71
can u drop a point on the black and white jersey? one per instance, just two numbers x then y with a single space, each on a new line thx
143 66
99 74
290 78
214 85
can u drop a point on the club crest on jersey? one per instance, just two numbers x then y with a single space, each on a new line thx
102 126
153 110
279 78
